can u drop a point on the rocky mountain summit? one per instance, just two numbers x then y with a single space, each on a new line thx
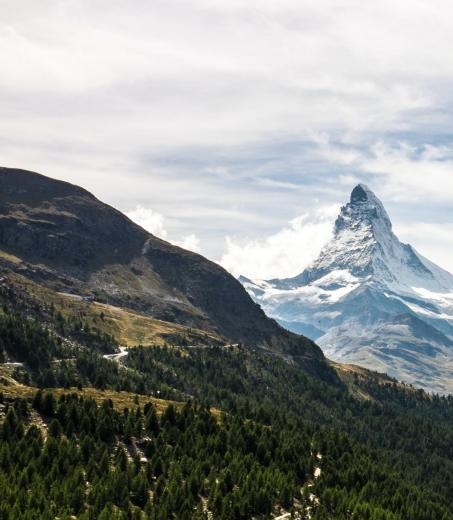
370 299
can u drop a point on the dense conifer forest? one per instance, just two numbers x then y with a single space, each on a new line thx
93 461
244 434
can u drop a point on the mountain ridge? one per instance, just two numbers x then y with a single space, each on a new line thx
63 237
352 298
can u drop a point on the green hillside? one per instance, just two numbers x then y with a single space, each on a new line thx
283 442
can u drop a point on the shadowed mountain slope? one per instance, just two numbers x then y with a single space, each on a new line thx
61 236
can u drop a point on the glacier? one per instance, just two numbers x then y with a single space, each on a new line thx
370 299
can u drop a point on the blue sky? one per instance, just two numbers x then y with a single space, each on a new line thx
237 128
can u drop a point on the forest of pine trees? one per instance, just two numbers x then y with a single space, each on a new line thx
387 457
93 461
97 462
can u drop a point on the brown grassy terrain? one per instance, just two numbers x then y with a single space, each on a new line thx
13 390
10 258
353 375
129 328
120 400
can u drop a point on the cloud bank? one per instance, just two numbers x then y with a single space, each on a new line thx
233 118
284 253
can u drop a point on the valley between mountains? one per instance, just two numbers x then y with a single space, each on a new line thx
141 381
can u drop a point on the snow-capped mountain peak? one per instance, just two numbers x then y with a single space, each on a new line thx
364 244
364 281
364 209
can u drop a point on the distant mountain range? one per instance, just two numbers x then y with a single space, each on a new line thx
62 237
370 299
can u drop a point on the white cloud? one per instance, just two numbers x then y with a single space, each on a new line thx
285 253
154 222
207 110
412 173
149 219
402 171
191 242
166 75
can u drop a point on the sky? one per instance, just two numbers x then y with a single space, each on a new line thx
237 128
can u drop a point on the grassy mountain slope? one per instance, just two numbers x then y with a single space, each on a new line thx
62 237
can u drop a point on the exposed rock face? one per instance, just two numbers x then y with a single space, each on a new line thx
370 299
62 236
62 225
